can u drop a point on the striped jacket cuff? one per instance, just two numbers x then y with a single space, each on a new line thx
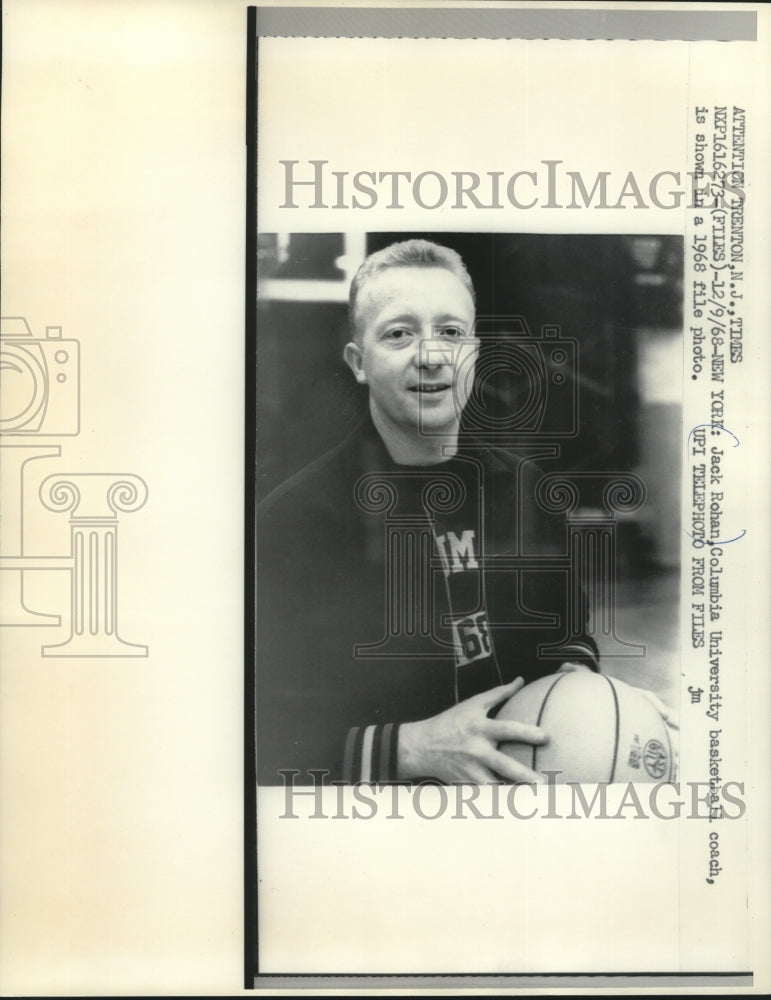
371 754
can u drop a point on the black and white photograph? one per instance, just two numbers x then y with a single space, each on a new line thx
468 450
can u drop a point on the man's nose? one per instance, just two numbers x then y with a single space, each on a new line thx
433 353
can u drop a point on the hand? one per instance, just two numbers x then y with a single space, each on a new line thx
461 744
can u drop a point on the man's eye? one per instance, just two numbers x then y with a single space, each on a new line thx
396 334
452 332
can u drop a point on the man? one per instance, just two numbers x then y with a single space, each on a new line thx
392 622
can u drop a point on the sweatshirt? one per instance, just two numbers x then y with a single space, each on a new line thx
388 593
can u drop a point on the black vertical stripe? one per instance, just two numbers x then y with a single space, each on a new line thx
356 755
392 754
385 743
251 944
348 753
557 679
671 776
376 748
618 723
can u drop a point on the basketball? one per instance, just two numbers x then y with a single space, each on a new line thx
599 729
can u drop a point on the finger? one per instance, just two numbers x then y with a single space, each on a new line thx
489 699
511 770
480 775
473 772
509 731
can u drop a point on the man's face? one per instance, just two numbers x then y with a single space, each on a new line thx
416 349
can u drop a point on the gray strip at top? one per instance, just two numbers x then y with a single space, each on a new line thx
496 22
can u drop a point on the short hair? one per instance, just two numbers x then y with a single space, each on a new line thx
410 253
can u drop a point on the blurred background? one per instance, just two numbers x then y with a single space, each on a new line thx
618 297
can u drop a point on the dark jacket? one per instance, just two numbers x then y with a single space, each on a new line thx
385 594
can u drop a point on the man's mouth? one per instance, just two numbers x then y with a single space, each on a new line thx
430 387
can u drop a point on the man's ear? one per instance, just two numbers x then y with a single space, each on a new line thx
353 358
